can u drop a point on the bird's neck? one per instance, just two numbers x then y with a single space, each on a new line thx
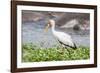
53 28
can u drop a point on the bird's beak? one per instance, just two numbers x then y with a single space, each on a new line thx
47 27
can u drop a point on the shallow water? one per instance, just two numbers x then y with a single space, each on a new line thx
34 33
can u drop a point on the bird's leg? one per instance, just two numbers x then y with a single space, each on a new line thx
69 52
63 47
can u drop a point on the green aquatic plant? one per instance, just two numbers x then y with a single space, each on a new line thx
34 53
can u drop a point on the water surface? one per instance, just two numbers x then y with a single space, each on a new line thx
33 32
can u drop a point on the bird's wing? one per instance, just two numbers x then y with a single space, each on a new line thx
64 38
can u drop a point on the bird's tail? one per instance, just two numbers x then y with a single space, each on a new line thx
75 47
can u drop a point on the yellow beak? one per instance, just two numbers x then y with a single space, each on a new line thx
46 28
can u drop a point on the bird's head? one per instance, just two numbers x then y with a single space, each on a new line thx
50 23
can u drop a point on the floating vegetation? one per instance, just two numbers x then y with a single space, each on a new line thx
34 53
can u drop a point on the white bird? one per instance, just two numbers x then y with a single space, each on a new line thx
63 38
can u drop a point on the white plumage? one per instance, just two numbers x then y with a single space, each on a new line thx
62 37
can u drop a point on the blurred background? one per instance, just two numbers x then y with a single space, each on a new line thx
75 24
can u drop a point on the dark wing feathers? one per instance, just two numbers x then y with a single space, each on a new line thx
74 47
